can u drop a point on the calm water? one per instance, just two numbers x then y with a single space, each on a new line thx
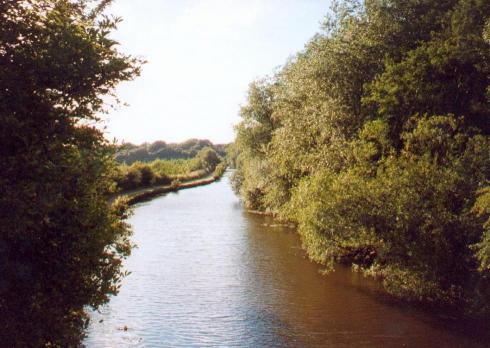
208 274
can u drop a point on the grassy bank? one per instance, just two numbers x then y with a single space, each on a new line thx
150 193
142 175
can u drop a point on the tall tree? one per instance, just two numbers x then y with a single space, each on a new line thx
61 244
380 147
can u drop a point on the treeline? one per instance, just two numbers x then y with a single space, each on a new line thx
129 153
164 172
375 141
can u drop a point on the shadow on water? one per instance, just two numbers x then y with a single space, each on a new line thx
347 294
208 274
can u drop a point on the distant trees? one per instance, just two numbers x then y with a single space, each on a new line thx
375 141
162 172
207 159
61 244
129 153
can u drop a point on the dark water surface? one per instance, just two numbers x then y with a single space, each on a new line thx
208 274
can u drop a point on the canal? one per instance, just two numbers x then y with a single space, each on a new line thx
208 274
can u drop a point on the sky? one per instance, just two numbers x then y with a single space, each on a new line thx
201 56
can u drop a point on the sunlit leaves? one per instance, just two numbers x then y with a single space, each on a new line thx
61 243
381 146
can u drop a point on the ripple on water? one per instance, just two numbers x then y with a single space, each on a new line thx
206 274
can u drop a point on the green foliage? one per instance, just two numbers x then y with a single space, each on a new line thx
163 172
232 152
130 153
206 159
482 210
172 167
412 212
219 170
128 178
375 141
253 137
61 244
147 176
255 130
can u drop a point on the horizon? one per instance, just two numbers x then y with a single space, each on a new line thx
172 142
201 57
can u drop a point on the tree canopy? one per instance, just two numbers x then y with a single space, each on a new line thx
129 153
375 141
61 244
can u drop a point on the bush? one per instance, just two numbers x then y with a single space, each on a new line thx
219 170
61 244
375 139
147 175
413 213
207 159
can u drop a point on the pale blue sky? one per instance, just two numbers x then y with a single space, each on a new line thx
202 54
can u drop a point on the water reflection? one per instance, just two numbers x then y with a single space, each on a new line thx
207 274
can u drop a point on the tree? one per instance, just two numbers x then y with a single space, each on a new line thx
379 146
207 158
61 244
254 134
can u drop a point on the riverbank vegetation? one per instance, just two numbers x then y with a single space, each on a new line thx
375 141
61 244
176 185
219 170
129 153
144 181
164 172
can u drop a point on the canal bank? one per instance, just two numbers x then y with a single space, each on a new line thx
145 194
208 274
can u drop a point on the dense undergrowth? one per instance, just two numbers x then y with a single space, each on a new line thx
375 141
164 172
61 244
